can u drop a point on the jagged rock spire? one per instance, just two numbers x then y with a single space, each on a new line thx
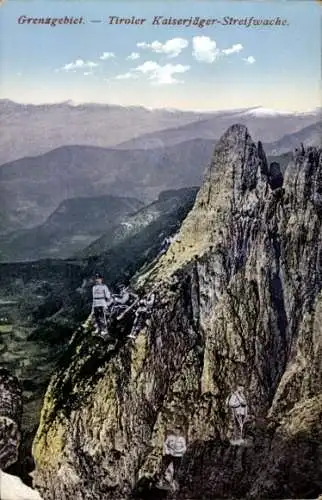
237 164
236 181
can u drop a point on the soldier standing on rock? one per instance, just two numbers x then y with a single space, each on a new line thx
238 405
102 299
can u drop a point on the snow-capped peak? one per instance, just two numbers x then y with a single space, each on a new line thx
268 112
260 111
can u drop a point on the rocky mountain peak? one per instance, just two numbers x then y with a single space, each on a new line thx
238 303
237 159
236 181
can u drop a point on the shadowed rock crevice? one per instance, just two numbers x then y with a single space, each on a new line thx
275 176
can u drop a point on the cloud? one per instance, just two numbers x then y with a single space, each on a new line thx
155 73
133 56
107 55
237 47
204 49
161 75
249 60
171 48
78 64
87 73
126 76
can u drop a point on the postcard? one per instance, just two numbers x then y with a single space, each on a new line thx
160 249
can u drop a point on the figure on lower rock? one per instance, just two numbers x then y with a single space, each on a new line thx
174 449
237 403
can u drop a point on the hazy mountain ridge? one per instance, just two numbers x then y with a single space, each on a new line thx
74 225
167 203
32 188
29 129
310 136
269 129
61 235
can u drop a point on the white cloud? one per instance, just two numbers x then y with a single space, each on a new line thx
237 47
87 73
126 76
107 55
161 75
133 56
171 48
249 60
78 64
204 49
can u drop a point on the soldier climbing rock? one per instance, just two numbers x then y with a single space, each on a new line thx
142 314
123 300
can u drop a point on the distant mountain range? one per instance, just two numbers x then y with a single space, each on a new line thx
32 188
73 226
57 203
83 228
88 226
271 129
167 204
310 136
29 130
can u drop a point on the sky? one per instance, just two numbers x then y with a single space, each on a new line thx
229 63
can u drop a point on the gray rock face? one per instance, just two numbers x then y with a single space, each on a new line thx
239 302
10 418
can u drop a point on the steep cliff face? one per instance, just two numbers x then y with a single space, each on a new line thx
10 418
239 301
11 487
